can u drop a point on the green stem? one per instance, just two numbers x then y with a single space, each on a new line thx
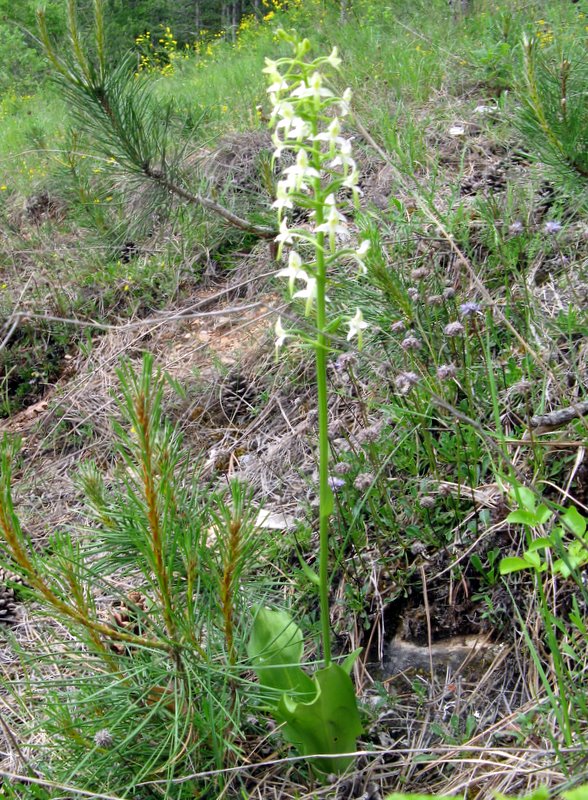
325 493
321 350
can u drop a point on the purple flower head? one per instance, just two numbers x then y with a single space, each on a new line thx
552 227
398 326
413 293
516 228
453 329
405 381
449 293
446 372
336 483
411 343
468 309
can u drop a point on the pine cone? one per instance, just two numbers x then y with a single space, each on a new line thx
237 395
128 617
8 606
10 578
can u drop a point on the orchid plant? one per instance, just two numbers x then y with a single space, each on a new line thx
320 716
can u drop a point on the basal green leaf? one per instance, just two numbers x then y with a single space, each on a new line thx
574 521
275 648
513 564
328 724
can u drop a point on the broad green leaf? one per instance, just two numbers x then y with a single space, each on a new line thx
543 514
533 559
522 517
524 497
539 544
328 724
513 564
574 521
275 648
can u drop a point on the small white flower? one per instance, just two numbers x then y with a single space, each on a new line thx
309 294
345 102
279 85
333 59
335 224
293 271
343 157
298 172
283 199
352 180
331 135
298 130
356 327
285 235
360 253
281 334
315 88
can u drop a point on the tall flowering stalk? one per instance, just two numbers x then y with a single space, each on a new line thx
318 714
307 120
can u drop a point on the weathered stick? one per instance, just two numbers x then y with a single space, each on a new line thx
543 423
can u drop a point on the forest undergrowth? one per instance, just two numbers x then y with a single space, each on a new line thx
321 537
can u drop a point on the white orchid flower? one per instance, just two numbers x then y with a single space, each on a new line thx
315 88
283 199
331 136
360 253
298 172
344 157
309 293
356 327
333 59
298 130
285 236
345 102
281 335
335 224
293 271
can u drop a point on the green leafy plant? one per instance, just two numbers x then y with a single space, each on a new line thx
162 660
554 119
572 553
566 642
324 718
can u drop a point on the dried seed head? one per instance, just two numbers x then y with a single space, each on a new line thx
411 343
342 468
405 381
419 273
427 501
453 329
446 372
103 738
363 481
